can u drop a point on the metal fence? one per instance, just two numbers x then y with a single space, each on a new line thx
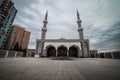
110 55
10 54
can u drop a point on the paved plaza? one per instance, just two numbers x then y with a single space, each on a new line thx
48 69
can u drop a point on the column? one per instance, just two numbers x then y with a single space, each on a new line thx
88 46
82 49
112 55
56 52
6 55
104 55
99 55
30 54
67 53
78 53
21 54
15 54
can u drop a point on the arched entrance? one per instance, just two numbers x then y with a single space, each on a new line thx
62 51
73 51
51 52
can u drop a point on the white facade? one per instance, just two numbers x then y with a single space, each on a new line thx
67 44
62 47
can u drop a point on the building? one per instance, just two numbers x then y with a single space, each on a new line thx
110 54
62 47
7 15
18 34
10 54
94 54
31 52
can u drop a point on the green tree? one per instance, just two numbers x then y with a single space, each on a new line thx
24 52
20 49
16 47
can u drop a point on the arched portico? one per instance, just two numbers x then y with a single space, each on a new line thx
51 51
62 51
73 51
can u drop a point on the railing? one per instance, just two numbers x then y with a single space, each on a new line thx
10 54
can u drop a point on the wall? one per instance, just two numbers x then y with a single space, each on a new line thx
110 55
10 54
31 53
67 44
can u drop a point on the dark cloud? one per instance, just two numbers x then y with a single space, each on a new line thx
24 3
111 38
100 20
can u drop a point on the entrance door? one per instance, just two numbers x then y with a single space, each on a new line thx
62 51
73 52
51 52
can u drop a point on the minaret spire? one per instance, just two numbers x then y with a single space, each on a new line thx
78 15
43 35
80 30
45 20
78 19
46 15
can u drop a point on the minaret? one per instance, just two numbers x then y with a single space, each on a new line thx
80 30
44 29
43 35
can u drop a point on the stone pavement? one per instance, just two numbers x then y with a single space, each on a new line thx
48 69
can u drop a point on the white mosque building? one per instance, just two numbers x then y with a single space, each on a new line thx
63 47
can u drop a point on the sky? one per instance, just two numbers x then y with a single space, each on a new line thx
100 20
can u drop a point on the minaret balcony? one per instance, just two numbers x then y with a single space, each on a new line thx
80 29
44 29
45 21
79 21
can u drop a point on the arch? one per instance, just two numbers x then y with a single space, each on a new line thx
62 51
51 51
73 51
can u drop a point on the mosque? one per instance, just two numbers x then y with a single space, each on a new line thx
78 48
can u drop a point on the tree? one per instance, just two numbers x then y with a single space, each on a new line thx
24 52
11 48
33 54
19 48
16 47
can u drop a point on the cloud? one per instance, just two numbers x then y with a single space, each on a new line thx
100 20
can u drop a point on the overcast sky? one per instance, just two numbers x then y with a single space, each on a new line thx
100 20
